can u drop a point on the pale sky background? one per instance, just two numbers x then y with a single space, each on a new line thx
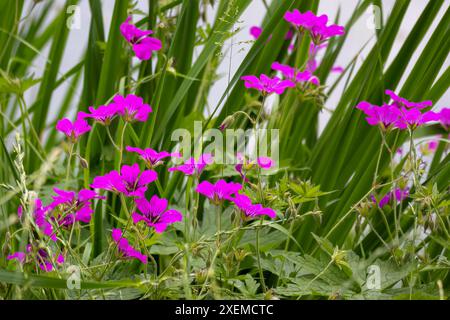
254 14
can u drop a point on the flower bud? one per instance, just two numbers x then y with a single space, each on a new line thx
228 121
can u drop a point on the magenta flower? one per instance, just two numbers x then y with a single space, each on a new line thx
244 204
155 213
192 166
264 162
73 207
386 116
125 248
40 218
267 85
295 75
402 102
19 256
255 31
44 260
398 194
142 44
73 130
151 157
132 108
317 26
103 114
131 181
413 118
443 117
219 191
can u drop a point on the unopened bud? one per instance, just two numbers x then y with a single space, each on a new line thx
227 122
83 162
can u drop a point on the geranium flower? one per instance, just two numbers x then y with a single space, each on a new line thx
19 256
244 204
402 102
151 157
41 220
413 118
73 130
131 181
103 114
386 116
72 206
256 31
155 213
295 75
317 26
192 166
142 44
443 117
219 191
267 85
132 108
125 248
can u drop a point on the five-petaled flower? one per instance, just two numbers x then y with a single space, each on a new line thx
219 191
192 166
151 157
143 45
131 108
131 181
73 130
267 85
103 114
68 206
317 26
295 75
125 248
155 213
244 204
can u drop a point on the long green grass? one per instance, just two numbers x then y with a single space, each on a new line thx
327 232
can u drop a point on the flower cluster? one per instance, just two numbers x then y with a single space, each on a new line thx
131 108
316 26
141 43
401 113
319 31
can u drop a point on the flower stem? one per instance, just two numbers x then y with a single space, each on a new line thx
258 256
120 150
69 163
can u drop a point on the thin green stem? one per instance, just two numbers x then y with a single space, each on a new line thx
258 256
